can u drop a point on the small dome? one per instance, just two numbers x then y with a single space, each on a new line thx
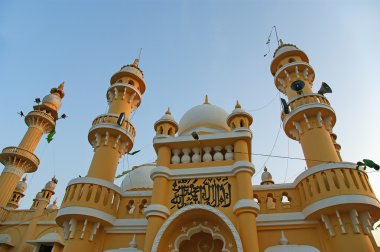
138 178
53 100
266 177
166 118
21 185
53 206
285 50
205 117
132 69
238 111
51 184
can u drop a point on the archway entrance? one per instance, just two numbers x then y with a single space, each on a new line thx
197 228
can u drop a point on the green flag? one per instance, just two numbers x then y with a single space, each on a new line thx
49 138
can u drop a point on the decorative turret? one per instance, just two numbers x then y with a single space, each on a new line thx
18 194
307 116
42 198
166 125
112 136
239 119
266 177
21 159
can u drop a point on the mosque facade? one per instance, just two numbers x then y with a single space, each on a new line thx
198 195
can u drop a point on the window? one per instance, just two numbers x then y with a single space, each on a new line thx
45 248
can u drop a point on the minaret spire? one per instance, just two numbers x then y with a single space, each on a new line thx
21 159
311 125
112 136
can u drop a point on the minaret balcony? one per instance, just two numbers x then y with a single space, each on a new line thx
41 119
297 69
91 197
123 91
105 126
329 187
313 109
19 157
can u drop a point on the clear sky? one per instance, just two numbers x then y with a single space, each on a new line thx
190 48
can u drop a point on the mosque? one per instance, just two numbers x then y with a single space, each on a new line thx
198 195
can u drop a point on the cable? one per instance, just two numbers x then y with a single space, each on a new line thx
266 105
287 164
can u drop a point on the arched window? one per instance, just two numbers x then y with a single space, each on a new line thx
241 123
161 131
170 131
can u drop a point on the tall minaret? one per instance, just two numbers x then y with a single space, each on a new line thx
21 159
91 202
310 118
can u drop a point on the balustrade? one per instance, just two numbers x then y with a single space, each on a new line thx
112 119
22 152
85 194
333 182
305 99
277 200
205 154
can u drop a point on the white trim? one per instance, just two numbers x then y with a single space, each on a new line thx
132 226
246 203
339 200
215 211
6 239
47 238
273 187
293 218
86 211
137 193
125 85
189 138
14 170
201 172
323 167
305 107
197 229
111 126
96 181
156 210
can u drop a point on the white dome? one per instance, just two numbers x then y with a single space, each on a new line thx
205 117
138 178
53 99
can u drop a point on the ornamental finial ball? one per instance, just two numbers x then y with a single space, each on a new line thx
237 105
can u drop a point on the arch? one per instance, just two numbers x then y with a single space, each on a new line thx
222 217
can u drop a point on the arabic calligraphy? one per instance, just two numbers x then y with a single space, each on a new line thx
215 192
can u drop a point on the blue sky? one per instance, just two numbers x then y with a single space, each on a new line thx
190 48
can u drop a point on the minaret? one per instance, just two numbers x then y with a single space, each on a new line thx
308 116
21 159
334 193
42 198
91 202
17 194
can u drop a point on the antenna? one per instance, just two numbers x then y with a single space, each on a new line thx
140 54
270 35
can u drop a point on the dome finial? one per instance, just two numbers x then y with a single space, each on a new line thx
206 100
265 168
237 105
168 111
136 62
59 90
